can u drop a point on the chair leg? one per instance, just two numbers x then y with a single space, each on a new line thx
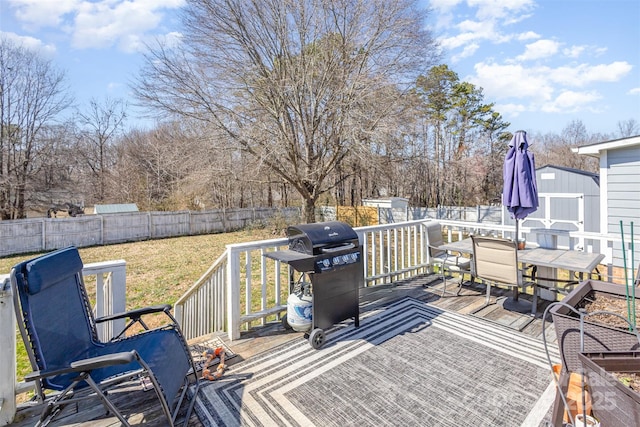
487 299
192 403
105 401
444 281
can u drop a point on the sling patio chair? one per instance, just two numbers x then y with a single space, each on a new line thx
445 260
59 331
496 263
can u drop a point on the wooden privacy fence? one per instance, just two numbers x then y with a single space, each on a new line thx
44 234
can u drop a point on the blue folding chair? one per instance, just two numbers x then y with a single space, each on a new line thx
59 330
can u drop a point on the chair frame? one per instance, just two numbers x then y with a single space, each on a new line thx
83 368
446 260
510 275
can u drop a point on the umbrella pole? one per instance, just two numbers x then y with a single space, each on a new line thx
515 292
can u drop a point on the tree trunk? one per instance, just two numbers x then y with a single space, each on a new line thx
309 210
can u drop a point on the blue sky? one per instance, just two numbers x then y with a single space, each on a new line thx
543 63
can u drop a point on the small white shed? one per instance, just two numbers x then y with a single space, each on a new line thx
115 208
390 209
389 203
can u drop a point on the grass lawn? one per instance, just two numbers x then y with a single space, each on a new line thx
158 271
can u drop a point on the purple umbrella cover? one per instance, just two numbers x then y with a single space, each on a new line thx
520 191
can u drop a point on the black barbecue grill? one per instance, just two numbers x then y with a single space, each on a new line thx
329 254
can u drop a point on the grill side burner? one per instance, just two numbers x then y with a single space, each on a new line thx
329 253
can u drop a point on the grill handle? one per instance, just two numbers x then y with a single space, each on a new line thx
338 248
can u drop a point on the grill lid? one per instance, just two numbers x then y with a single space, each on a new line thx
321 237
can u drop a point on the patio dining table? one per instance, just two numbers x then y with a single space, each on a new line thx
547 261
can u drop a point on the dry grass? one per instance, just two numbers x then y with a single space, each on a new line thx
158 271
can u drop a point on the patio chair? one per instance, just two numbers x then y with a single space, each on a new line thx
496 263
59 331
446 261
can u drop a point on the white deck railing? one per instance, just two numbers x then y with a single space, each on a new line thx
243 288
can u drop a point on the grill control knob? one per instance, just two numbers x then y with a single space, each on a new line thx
326 262
336 260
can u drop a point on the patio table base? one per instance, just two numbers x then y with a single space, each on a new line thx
518 305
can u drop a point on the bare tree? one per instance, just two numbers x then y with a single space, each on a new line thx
32 94
628 128
291 82
100 126
553 149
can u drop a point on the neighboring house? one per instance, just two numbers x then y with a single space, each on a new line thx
115 208
619 186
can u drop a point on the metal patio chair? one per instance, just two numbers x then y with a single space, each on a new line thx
496 263
445 260
59 331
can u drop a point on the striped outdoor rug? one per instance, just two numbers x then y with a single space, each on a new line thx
407 364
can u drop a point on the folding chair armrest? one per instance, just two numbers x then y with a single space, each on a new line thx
136 314
89 364
121 358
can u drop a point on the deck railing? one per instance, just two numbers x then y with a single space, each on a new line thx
243 288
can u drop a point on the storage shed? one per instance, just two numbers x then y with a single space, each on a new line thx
389 203
391 209
115 208
569 200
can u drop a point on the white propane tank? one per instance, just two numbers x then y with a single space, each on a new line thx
299 309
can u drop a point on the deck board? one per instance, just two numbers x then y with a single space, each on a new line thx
142 408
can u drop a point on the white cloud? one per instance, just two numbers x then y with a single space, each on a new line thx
528 35
571 102
490 17
539 49
511 10
634 91
468 50
545 88
574 51
511 81
585 74
97 24
47 50
43 13
513 110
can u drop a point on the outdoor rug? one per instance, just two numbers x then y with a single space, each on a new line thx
408 364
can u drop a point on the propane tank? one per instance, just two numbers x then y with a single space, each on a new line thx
299 309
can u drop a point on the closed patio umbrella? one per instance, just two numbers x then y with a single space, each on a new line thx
520 191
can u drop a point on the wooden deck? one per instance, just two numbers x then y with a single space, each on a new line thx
141 408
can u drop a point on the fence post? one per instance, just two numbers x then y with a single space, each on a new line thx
7 353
